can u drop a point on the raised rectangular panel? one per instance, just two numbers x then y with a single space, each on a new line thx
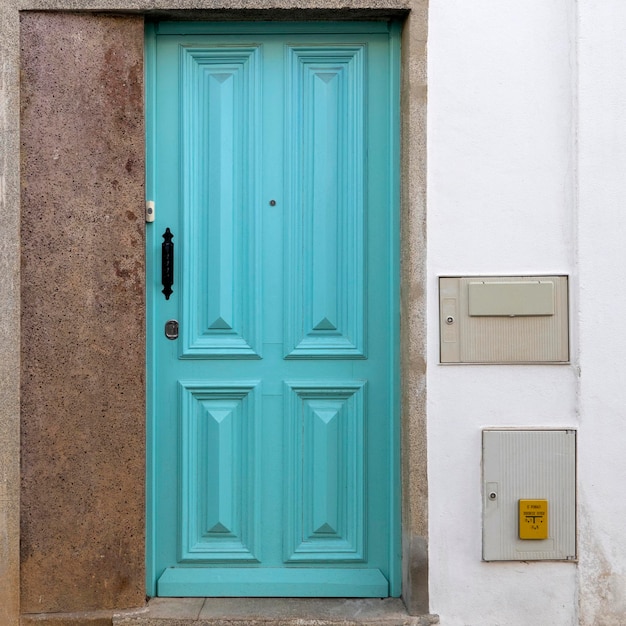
325 496
325 254
530 466
504 319
220 110
219 471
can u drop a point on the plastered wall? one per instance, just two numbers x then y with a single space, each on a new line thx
525 157
601 186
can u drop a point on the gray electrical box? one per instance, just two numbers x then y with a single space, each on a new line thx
504 319
529 495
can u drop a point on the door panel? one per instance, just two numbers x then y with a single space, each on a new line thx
220 477
220 177
273 417
325 166
326 491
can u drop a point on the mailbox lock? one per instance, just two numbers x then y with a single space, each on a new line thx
493 495
449 319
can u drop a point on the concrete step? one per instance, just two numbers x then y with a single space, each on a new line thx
272 612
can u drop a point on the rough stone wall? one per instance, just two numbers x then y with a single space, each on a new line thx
413 339
82 281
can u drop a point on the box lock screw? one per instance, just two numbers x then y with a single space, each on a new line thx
449 319
493 495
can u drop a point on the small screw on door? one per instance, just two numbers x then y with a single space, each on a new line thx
272 202
493 495
449 319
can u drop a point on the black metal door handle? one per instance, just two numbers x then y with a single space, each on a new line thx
167 263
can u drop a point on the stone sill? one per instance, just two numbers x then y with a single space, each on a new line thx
273 612
244 612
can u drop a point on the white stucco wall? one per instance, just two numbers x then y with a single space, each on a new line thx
602 343
527 174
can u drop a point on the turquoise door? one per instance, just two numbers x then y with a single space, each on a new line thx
273 427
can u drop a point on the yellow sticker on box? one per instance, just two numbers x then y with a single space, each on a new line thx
533 519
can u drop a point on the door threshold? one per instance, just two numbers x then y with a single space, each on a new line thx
273 612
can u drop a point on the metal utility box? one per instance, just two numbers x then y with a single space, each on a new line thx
504 319
529 495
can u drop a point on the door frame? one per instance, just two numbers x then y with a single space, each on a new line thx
248 28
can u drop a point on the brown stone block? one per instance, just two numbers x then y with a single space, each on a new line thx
83 388
65 619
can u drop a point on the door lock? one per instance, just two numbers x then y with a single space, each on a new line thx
171 329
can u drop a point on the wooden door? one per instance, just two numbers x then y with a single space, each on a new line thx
273 443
